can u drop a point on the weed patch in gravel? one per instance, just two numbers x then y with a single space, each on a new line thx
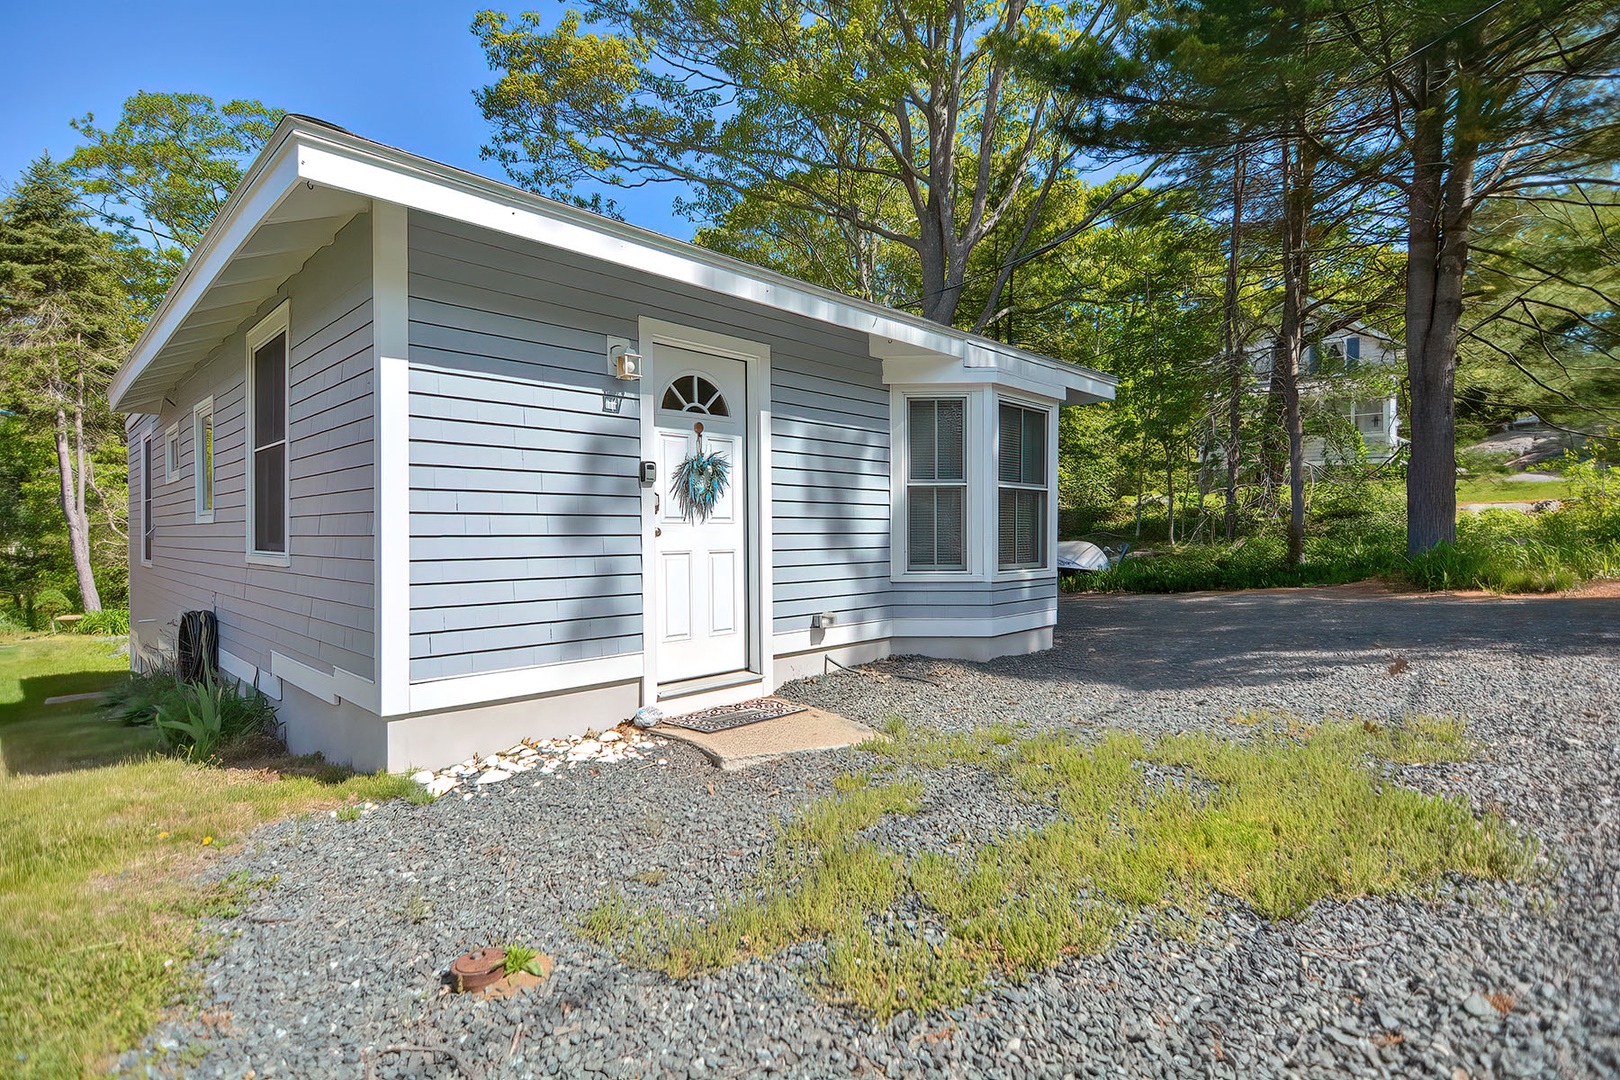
1287 816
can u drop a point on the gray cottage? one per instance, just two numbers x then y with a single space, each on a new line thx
413 437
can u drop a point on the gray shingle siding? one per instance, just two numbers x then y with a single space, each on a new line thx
319 609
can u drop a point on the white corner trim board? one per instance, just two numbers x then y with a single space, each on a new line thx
438 694
329 688
390 320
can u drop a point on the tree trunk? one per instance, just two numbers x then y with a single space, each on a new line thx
1440 215
78 528
1170 491
1235 374
1298 174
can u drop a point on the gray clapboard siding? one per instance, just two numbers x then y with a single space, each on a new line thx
518 557
319 609
508 346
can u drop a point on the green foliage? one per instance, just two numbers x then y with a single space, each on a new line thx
194 720
162 172
880 151
1356 531
1292 814
65 321
108 622
49 603
521 958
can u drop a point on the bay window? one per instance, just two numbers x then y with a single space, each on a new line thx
936 484
1022 492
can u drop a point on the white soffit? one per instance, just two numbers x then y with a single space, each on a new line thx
311 179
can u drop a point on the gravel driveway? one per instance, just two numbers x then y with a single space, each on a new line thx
335 969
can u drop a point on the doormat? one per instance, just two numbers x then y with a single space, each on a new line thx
726 717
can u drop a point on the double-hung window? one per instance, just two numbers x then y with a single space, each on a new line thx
1022 494
202 459
267 437
936 484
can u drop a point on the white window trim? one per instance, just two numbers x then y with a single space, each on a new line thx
1026 573
148 504
171 453
277 322
205 407
976 423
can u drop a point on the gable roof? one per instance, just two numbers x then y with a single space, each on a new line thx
312 177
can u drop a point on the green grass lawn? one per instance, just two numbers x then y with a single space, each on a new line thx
100 841
1491 490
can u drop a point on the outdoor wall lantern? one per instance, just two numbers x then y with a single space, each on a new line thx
626 364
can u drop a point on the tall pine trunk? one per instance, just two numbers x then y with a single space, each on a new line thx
1298 175
1235 373
1440 215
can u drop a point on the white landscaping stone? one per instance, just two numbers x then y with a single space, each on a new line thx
423 777
609 736
494 776
439 785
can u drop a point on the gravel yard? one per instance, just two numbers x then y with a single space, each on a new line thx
335 969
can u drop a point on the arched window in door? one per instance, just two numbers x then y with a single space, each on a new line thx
694 394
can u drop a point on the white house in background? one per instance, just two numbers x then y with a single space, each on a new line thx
410 434
1370 359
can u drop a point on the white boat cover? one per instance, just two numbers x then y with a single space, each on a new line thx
1080 555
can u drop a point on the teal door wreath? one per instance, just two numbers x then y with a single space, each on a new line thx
699 481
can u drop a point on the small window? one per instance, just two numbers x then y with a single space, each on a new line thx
171 454
936 484
1022 499
1369 417
694 394
202 459
267 436
148 527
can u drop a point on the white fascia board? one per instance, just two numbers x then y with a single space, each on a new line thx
363 172
258 198
378 172
1044 377
942 372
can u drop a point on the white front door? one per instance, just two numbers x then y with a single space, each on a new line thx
700 563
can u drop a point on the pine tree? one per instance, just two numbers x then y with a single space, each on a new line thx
63 323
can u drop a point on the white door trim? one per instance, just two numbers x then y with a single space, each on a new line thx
757 358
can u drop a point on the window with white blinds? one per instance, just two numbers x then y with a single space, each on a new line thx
936 484
1022 494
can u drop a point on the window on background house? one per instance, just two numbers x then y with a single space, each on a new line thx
267 439
147 526
1369 417
202 459
936 484
1022 496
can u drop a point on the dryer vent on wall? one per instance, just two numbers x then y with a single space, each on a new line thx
198 652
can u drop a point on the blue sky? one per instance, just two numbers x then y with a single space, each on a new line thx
401 72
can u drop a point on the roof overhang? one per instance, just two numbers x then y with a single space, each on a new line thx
311 179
